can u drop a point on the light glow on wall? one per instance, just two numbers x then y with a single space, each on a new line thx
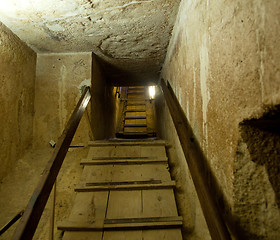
152 92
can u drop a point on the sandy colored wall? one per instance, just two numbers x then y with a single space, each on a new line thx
59 79
103 103
17 80
223 65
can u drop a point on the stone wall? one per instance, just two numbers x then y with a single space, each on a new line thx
103 103
223 65
59 80
17 80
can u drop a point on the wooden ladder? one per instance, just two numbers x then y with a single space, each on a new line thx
137 120
125 193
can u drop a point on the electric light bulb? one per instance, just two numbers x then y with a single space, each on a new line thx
152 92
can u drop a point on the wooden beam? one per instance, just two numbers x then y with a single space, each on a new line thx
196 162
123 224
27 226
125 142
127 187
124 161
11 222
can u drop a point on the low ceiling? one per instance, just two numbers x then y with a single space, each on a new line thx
130 37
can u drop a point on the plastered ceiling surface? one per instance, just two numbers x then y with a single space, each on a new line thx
132 36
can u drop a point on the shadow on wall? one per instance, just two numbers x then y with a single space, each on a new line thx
262 137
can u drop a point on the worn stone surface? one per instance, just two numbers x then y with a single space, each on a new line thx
17 81
223 64
130 35
14 195
59 80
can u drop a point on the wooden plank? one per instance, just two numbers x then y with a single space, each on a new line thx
30 219
135 125
166 234
132 114
136 104
144 225
100 225
135 110
127 143
143 219
159 203
124 204
120 158
127 151
123 183
123 161
123 235
122 173
128 187
132 131
136 93
115 151
153 151
96 173
81 235
135 117
140 172
87 208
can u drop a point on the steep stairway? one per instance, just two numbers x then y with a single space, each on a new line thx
125 193
137 120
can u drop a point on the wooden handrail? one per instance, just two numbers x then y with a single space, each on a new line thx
196 161
11 222
30 219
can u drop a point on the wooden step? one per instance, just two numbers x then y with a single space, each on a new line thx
134 132
123 224
123 161
135 104
135 110
135 125
120 196
139 149
137 99
135 117
99 143
129 186
136 92
137 87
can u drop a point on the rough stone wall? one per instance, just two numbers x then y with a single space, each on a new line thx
194 225
17 81
223 64
103 103
59 80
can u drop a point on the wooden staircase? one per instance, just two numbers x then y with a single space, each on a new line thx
137 119
125 193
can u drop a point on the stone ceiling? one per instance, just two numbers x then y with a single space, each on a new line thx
129 36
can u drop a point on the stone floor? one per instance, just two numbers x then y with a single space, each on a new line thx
18 186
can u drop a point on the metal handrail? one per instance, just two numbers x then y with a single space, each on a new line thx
30 219
196 161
